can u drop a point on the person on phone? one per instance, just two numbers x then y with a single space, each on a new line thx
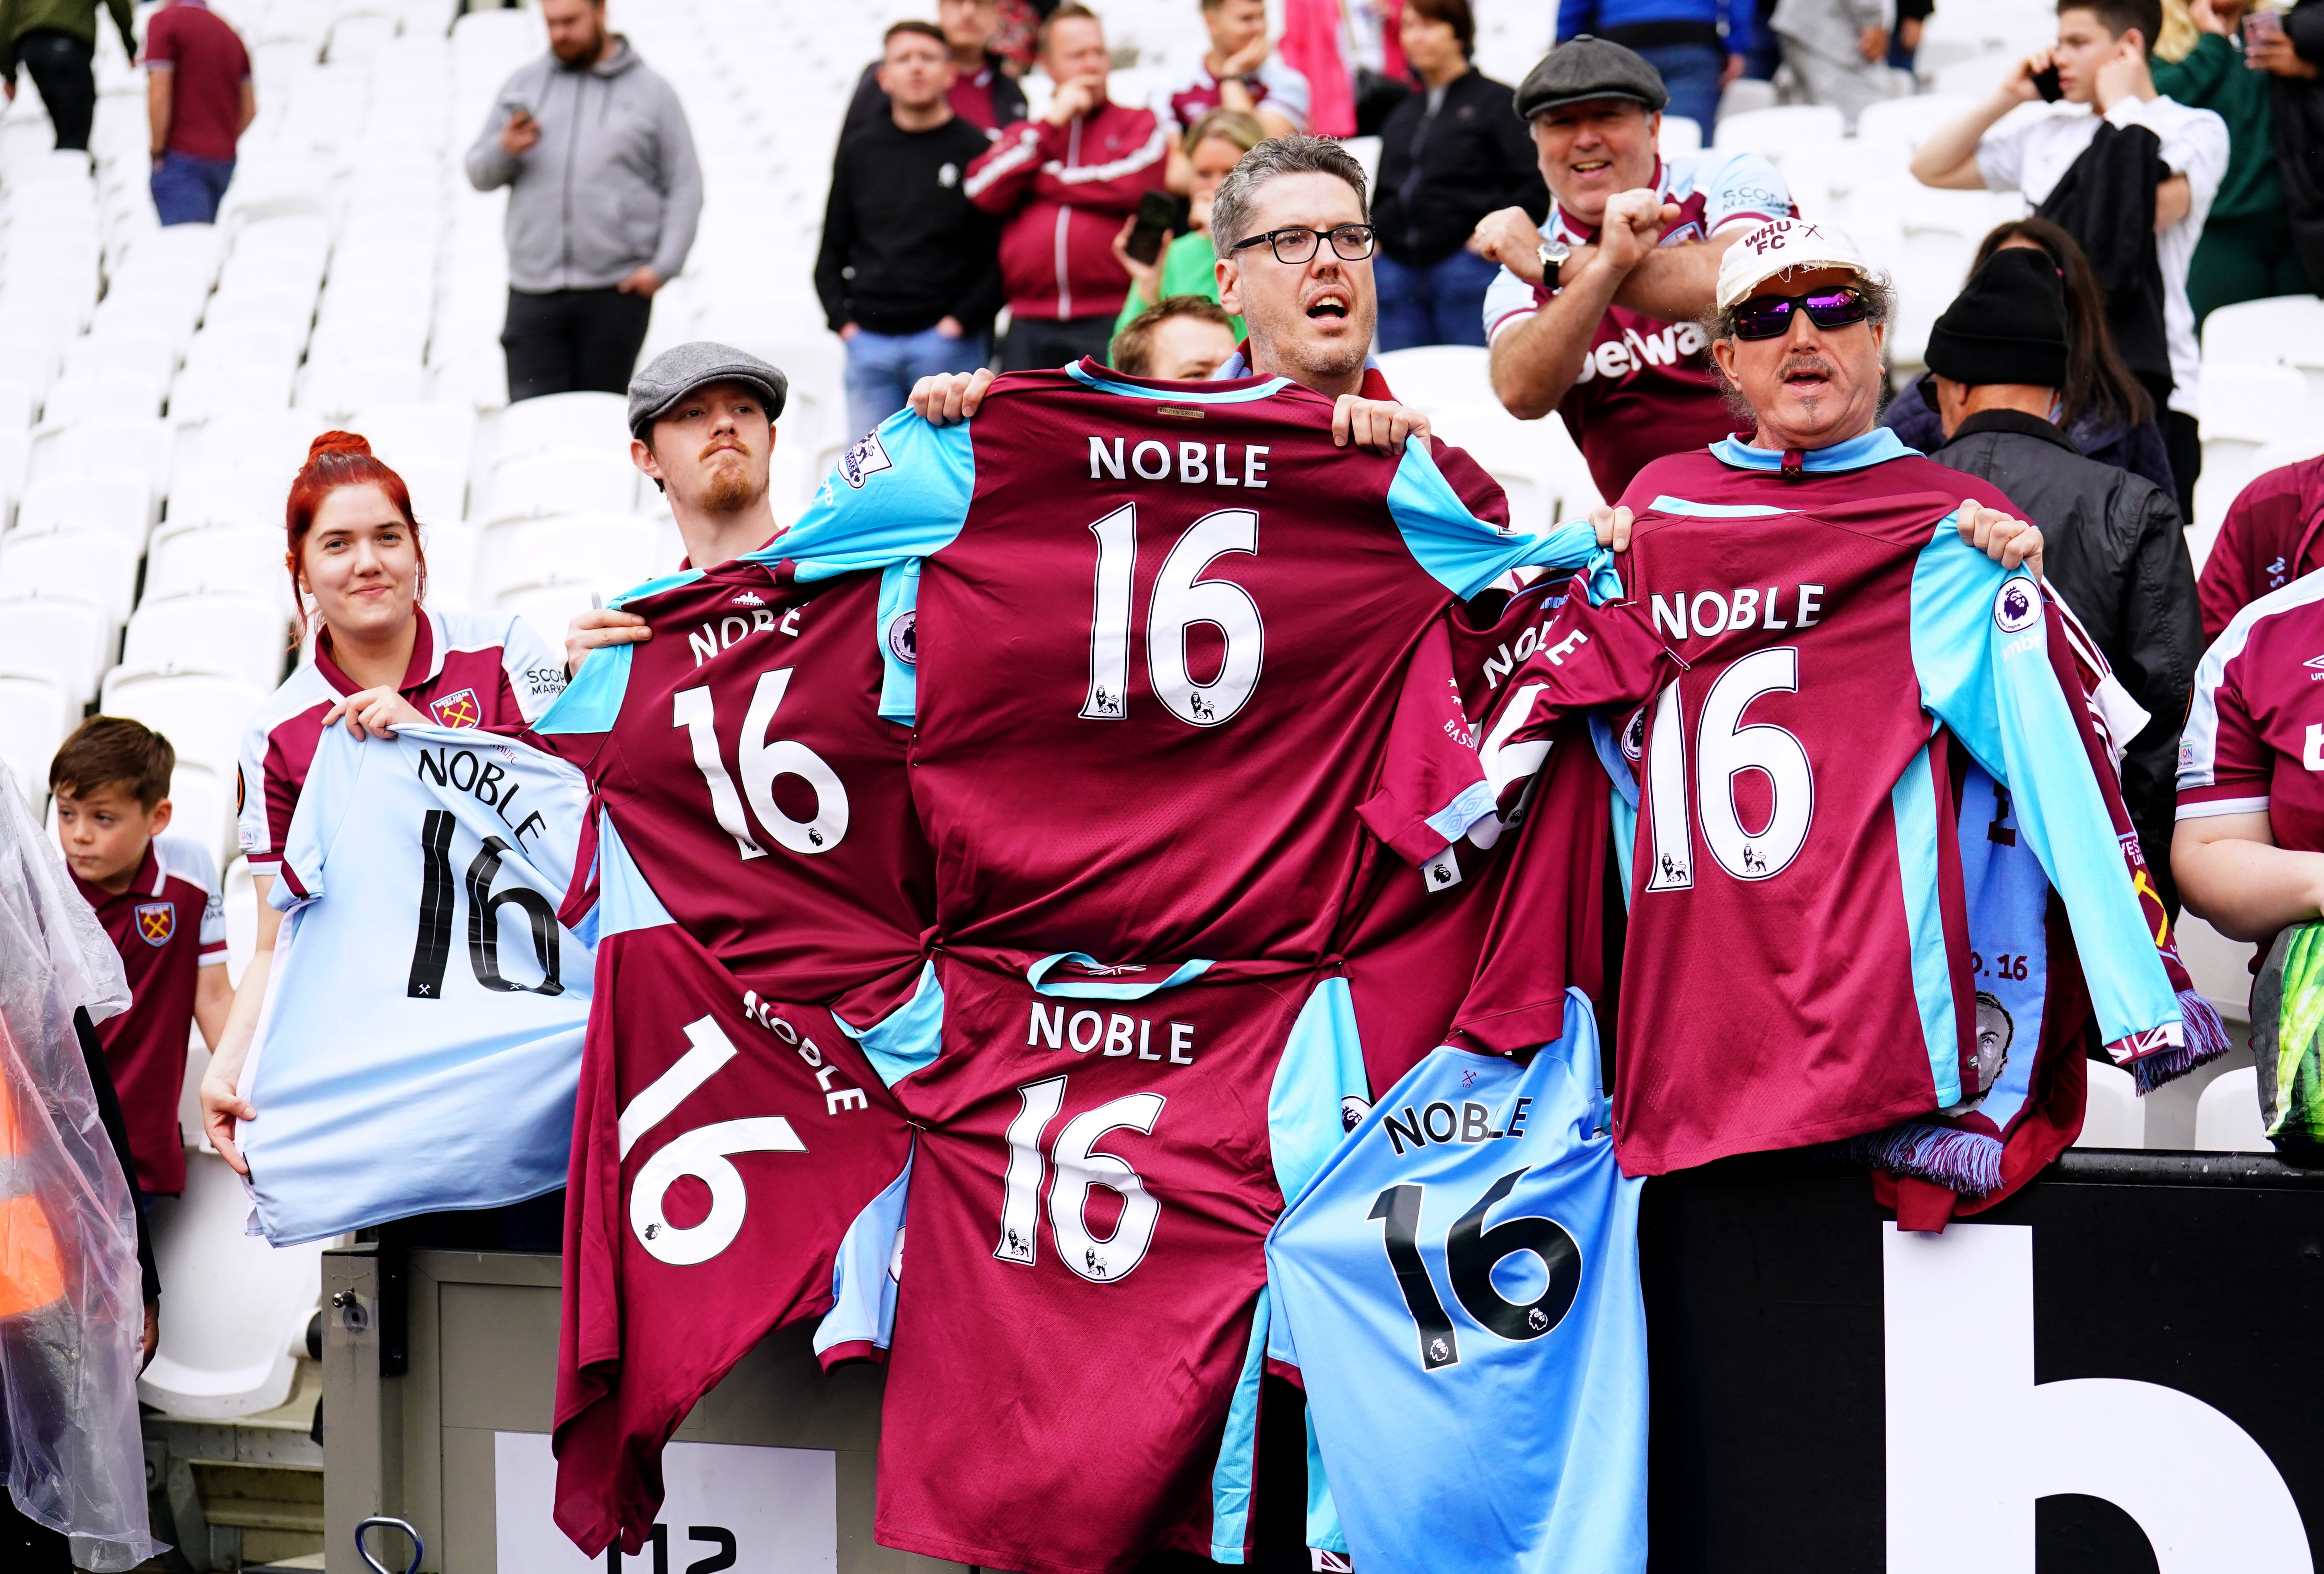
1450 154
1185 264
604 193
2289 46
2070 169
909 269
2245 252
1061 186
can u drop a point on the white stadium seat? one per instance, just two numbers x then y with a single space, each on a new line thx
35 714
204 714
561 481
102 397
76 565
201 805
1434 376
184 560
118 506
610 551
2226 1116
2287 329
233 636
237 1304
1773 131
2113 1115
583 422
147 442
66 643
548 606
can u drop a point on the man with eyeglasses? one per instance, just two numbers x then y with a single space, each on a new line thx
1593 313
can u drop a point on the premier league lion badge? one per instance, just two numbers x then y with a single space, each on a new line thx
2016 606
156 922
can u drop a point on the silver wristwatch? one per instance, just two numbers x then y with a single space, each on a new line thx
1552 255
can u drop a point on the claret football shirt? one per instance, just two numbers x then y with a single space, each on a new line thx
1162 631
168 925
752 754
2254 737
1796 969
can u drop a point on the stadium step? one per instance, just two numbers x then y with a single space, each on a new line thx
246 1494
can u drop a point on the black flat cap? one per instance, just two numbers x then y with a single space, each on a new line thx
2007 325
679 371
1583 68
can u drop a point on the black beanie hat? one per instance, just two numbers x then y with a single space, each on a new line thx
2007 325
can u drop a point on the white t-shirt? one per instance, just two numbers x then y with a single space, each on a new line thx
2032 158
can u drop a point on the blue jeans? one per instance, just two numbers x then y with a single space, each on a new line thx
1442 303
1690 71
187 190
881 368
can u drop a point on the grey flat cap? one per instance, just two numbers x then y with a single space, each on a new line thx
1584 68
679 371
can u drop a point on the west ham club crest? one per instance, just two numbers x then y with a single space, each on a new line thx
459 709
156 922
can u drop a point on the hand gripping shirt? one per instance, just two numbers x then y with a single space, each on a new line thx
1161 633
466 670
733 1156
1796 968
1458 1289
752 754
422 1029
1647 387
1080 1330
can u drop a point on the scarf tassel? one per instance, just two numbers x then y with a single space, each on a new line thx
1965 1162
2204 1038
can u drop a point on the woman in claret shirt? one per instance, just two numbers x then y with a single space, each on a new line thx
382 659
2249 850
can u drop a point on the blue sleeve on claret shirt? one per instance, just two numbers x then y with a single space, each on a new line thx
902 492
900 608
1981 652
1464 553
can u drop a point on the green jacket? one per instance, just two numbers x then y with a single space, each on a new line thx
1185 271
75 17
2215 77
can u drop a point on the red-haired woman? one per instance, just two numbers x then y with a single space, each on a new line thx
381 659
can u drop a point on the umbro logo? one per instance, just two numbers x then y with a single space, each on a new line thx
2315 666
748 598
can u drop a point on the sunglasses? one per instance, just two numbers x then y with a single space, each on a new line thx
1770 316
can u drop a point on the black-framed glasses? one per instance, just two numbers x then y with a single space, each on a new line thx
1351 243
1770 316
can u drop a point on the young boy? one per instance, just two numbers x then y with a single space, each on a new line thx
1242 71
158 898
2100 59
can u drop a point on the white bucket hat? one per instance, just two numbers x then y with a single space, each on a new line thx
1784 246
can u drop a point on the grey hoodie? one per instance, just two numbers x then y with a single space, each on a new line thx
612 183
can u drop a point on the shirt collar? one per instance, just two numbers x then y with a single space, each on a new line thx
418 671
1238 364
1876 447
146 883
2015 421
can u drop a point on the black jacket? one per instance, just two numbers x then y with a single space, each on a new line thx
902 245
1441 174
2114 550
2106 201
2300 140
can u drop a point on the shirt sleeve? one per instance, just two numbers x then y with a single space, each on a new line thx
330 787
1979 648
190 861
1745 188
2001 158
535 674
2225 764
1432 787
161 43
263 798
1287 92
901 492
1509 300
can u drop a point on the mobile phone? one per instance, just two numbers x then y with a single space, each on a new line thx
2046 83
518 109
1157 211
2261 24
